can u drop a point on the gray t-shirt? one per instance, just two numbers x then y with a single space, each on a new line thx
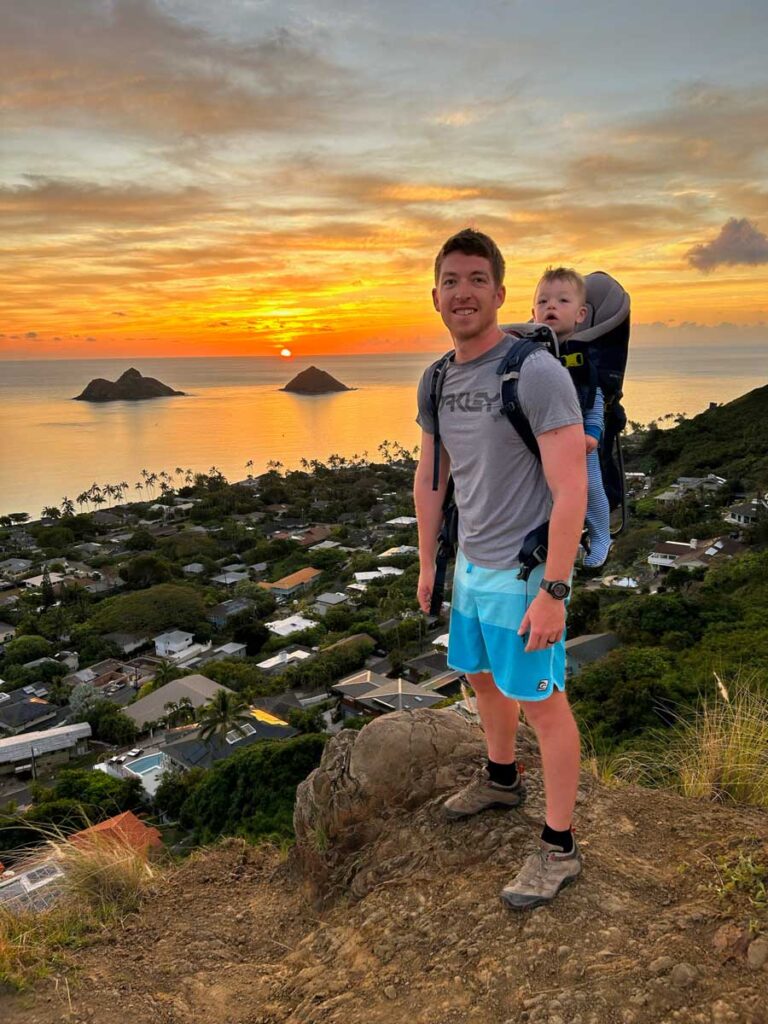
501 491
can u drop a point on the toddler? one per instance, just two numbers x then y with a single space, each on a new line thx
559 302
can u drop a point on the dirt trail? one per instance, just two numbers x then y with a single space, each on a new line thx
234 937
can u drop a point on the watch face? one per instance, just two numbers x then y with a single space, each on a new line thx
559 590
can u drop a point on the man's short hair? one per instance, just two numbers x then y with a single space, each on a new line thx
566 274
473 243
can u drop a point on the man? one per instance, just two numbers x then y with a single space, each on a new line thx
506 635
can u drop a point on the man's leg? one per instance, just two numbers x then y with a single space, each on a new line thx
558 862
558 735
499 715
498 784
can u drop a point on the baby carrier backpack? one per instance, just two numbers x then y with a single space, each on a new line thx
595 357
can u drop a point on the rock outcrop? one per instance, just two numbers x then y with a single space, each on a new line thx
130 386
314 382
395 764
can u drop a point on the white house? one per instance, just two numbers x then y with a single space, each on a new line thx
284 658
666 553
293 624
169 645
402 521
403 549
37 581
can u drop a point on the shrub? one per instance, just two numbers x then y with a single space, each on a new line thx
252 793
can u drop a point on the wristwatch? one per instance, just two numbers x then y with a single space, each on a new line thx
558 589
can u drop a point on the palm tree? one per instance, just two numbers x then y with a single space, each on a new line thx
176 713
165 673
225 712
67 506
51 512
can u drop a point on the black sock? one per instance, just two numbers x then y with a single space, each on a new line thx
562 839
502 774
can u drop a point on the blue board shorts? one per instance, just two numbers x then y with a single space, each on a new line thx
487 607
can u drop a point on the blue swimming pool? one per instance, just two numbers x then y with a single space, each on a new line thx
146 764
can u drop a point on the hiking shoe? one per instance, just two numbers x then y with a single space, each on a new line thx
481 793
542 876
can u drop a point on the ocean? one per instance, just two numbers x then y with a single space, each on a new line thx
51 446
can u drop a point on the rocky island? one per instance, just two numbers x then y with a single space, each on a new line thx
314 382
131 386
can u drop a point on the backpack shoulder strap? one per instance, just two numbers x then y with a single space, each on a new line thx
435 390
509 370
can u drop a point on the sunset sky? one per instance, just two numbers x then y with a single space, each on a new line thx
181 177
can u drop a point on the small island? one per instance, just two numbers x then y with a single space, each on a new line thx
131 387
314 382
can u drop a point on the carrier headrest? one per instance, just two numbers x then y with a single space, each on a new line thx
607 306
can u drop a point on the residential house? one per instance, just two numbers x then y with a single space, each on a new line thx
89 548
666 553
7 632
221 613
12 568
187 750
292 624
289 585
26 708
328 600
193 569
51 746
224 651
325 545
198 688
230 579
291 655
747 513
34 883
110 670
281 704
368 693
684 485
37 581
583 650
127 643
402 521
402 549
694 554
170 645
123 830
375 574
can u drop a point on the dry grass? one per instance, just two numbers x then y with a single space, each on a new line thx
720 753
102 883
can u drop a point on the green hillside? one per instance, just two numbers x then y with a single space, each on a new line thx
731 440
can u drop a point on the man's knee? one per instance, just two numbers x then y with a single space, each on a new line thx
481 681
548 714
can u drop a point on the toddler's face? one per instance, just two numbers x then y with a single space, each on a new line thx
557 303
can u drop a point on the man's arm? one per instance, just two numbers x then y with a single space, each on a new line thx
565 470
429 513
